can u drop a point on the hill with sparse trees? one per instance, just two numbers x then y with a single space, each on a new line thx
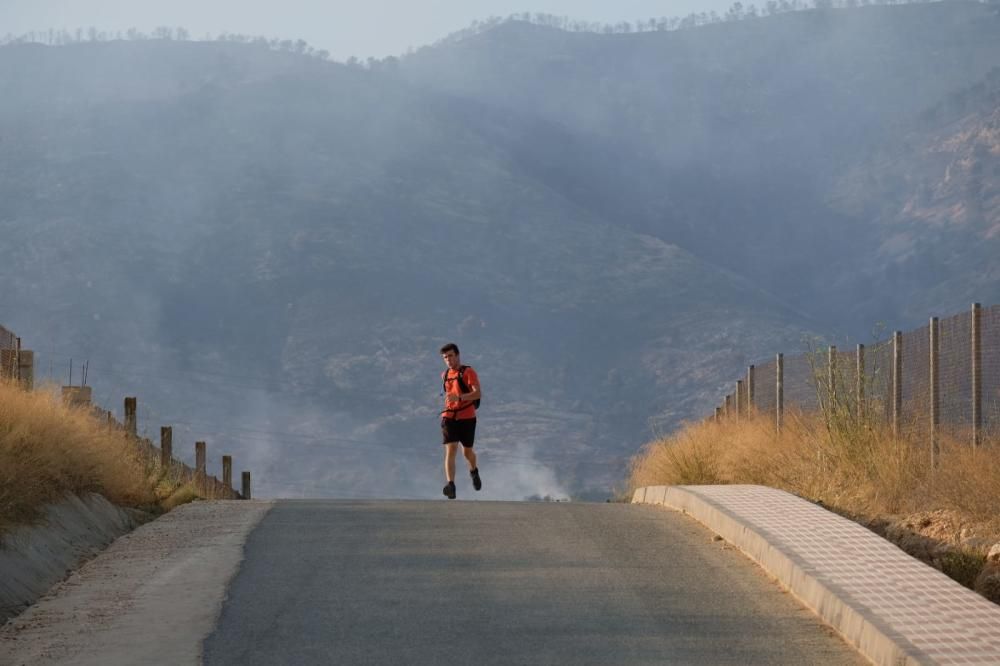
271 247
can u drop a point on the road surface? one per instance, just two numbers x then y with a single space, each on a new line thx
394 582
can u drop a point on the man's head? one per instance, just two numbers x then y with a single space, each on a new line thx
450 355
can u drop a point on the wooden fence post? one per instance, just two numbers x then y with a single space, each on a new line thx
246 485
227 472
977 375
131 407
935 345
779 390
860 387
26 368
751 389
199 459
166 448
897 383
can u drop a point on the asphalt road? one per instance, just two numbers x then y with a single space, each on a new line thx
348 582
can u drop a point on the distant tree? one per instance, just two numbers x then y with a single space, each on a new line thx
183 35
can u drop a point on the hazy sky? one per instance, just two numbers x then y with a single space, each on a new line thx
362 27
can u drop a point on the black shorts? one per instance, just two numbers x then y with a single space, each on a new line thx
458 430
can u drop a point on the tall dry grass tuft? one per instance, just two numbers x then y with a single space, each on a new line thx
859 470
48 450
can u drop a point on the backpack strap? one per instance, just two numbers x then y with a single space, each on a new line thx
461 381
462 386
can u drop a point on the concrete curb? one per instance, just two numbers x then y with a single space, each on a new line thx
805 572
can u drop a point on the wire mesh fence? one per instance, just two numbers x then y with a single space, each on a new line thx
939 381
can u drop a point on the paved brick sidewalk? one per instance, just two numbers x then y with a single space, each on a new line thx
892 607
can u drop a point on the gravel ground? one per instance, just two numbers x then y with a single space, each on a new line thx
150 598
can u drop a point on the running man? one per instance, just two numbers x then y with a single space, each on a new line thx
458 420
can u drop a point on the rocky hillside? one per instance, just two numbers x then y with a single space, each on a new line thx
933 192
269 249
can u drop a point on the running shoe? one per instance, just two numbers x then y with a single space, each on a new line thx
477 483
449 490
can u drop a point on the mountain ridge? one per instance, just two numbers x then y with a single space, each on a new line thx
210 212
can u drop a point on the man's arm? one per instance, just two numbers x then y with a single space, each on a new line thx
475 392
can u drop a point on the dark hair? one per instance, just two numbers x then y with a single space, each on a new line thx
451 346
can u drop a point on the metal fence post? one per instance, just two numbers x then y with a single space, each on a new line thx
935 343
739 398
860 387
897 382
977 375
831 378
779 398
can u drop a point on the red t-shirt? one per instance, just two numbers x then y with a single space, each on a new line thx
453 409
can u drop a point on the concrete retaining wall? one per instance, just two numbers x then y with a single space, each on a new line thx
34 558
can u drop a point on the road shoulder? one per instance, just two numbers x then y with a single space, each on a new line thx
151 597
893 608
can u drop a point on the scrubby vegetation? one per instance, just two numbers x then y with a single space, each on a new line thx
48 450
947 515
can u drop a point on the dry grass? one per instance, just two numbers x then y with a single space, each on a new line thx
859 470
48 450
947 516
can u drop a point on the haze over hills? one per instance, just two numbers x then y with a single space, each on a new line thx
269 249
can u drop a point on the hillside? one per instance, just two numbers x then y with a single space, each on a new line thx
273 247
321 233
739 132
934 191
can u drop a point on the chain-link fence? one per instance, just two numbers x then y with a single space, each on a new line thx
938 381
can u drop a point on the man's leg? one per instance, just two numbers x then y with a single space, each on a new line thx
470 457
449 468
450 452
